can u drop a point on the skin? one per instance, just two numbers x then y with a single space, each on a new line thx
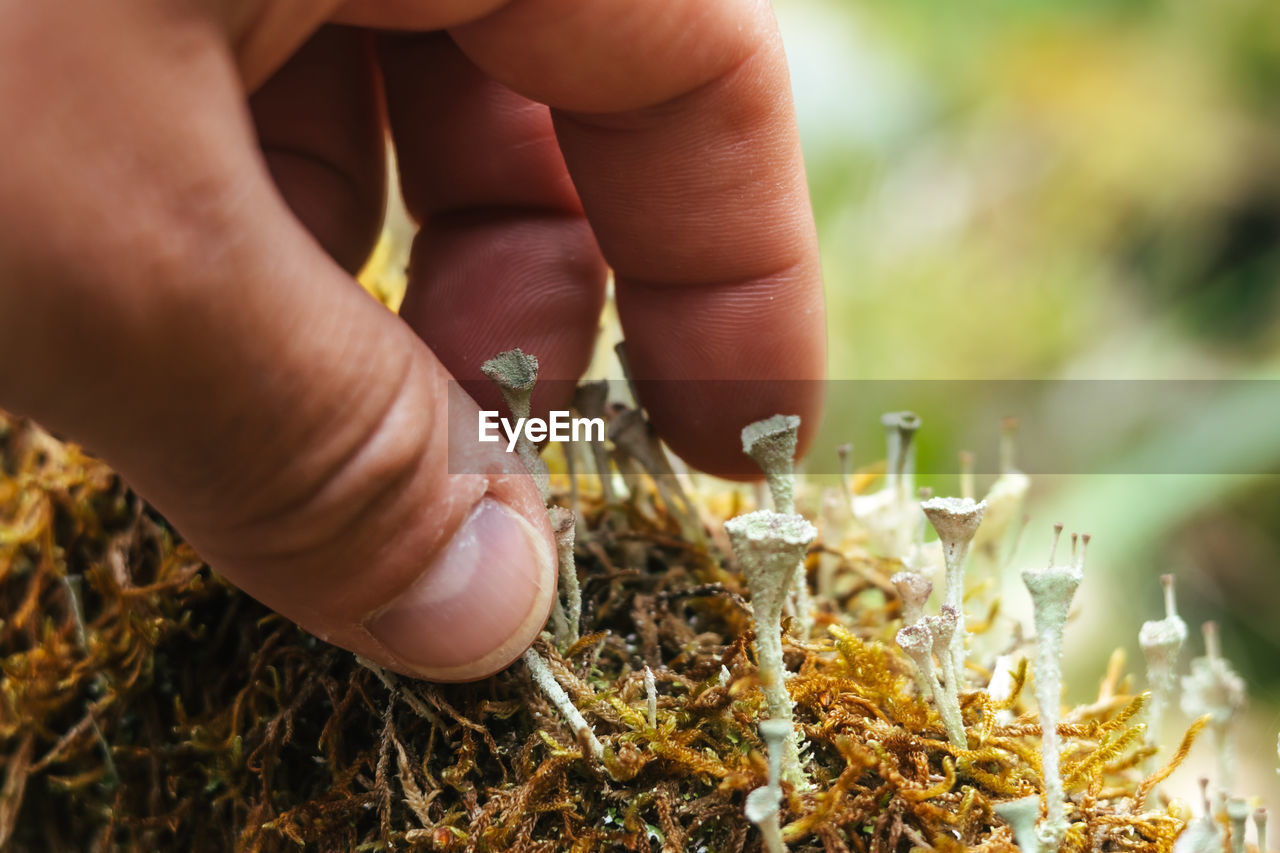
187 187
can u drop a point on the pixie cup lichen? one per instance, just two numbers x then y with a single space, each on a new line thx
956 520
515 372
769 546
1052 588
1161 641
771 444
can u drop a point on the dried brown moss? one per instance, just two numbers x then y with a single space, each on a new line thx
186 715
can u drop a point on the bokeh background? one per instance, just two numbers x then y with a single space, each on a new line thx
1042 189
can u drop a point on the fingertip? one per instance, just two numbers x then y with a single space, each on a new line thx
478 604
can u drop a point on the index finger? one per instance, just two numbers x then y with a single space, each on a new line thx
676 122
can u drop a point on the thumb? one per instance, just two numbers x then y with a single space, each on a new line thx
159 303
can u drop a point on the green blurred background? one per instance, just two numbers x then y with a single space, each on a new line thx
1045 189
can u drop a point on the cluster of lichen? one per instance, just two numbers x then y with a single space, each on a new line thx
155 707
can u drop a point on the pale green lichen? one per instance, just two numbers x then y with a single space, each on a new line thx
1004 501
650 698
1052 589
771 444
1021 815
1161 641
921 641
1213 687
1238 817
955 520
546 682
769 546
515 372
764 803
914 589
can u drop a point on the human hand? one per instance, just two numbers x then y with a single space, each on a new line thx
185 308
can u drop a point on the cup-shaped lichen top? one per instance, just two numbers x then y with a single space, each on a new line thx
942 627
515 372
917 641
590 398
1162 639
769 546
772 439
1213 687
1052 589
771 443
914 590
956 520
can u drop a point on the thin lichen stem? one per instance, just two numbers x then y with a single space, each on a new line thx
546 682
1213 687
632 434
569 603
920 642
769 546
764 803
772 443
944 627
966 474
515 373
590 399
1161 642
1238 817
650 698
914 590
956 520
1052 589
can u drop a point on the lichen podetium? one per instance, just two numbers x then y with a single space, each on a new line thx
228 727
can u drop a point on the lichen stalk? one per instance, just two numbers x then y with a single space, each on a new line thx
967 487
914 589
632 434
1213 687
1052 589
1004 501
650 698
943 628
1238 817
771 443
1161 642
546 682
956 520
764 803
769 546
845 454
590 399
570 592
515 372
920 642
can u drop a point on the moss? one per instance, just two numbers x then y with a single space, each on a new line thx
190 717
